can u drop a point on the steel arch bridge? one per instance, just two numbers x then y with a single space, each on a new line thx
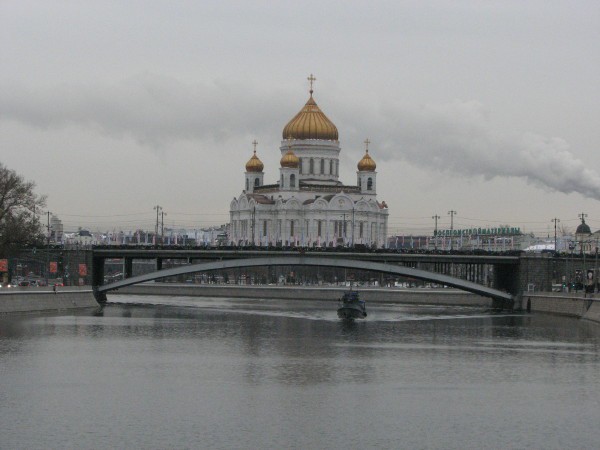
502 297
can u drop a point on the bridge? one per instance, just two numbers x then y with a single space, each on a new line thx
413 266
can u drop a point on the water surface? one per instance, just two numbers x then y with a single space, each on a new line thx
177 372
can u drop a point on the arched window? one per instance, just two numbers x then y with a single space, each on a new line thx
256 182
322 167
292 181
369 184
312 166
247 184
331 166
359 182
281 185
299 165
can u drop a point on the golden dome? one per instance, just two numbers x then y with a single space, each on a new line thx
366 164
311 123
254 164
290 160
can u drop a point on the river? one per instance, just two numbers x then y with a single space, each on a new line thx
180 372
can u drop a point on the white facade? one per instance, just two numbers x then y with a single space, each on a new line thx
308 205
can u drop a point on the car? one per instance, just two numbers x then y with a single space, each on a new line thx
24 283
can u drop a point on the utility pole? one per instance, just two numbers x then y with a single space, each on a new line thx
253 223
596 269
582 216
436 217
48 248
556 221
158 210
352 226
162 227
452 213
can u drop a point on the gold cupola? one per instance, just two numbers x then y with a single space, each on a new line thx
254 164
366 164
310 122
290 160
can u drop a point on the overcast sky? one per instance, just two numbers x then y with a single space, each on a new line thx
488 108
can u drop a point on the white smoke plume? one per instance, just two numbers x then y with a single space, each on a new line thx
458 138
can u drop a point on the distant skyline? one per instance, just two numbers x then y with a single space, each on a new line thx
489 109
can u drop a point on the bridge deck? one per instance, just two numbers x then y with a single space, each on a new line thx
215 254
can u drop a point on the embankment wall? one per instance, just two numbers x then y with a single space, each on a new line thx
563 304
25 300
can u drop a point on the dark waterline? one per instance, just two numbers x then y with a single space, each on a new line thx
176 372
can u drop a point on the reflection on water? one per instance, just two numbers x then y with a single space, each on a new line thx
176 372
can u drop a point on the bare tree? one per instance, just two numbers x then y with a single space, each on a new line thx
19 207
565 230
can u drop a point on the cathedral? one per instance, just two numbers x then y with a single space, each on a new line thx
309 206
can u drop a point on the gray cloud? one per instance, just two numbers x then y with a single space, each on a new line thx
456 137
153 110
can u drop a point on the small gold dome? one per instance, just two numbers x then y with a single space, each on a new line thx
254 164
366 164
311 123
290 160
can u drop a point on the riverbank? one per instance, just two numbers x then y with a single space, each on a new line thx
31 299
371 294
574 305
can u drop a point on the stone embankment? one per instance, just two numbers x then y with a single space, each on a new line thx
374 295
575 305
30 299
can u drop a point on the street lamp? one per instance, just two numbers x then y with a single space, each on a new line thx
435 230
47 247
162 227
556 221
451 213
158 209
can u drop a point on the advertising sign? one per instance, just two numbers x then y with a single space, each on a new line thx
53 267
82 270
3 265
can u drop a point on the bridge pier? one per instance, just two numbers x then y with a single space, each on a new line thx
506 278
97 271
99 296
506 305
128 267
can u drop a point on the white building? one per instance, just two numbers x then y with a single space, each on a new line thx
308 205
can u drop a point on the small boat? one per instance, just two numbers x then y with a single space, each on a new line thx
351 307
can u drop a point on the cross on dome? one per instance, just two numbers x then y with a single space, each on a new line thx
367 142
254 143
311 79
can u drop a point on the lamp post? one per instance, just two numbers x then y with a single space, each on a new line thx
596 268
158 209
253 223
435 230
47 247
353 226
162 227
556 221
451 213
